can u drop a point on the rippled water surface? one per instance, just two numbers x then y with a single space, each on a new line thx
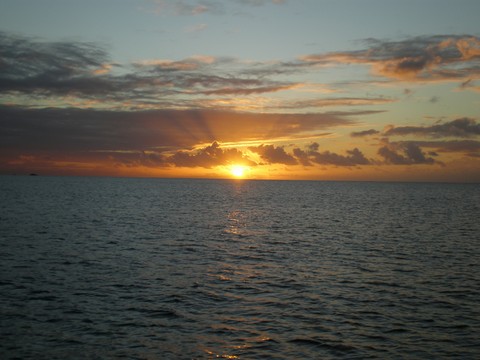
198 269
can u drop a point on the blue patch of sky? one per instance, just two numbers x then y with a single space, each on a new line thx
133 31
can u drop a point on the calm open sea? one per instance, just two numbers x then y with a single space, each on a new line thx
96 268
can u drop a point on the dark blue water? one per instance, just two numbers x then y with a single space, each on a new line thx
201 269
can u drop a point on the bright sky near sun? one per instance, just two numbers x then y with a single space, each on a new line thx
270 89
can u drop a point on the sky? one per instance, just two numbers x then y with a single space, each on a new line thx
370 90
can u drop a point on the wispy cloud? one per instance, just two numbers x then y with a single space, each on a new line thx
196 28
466 147
198 7
260 2
334 101
61 70
364 133
424 58
55 70
186 8
469 84
410 152
461 128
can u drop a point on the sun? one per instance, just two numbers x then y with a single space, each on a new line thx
237 170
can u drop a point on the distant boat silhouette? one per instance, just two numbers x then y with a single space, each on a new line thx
33 174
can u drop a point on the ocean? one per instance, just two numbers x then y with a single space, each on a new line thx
111 268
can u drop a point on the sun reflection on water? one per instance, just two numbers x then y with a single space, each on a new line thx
236 223
212 355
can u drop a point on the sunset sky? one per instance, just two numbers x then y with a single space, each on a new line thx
286 89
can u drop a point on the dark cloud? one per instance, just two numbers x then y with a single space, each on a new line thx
44 69
204 75
274 155
404 153
302 157
39 69
28 65
424 58
354 157
71 129
463 128
151 159
364 133
208 157
311 155
468 147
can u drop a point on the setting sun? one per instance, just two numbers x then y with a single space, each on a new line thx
237 170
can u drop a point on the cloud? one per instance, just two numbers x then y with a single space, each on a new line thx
404 153
199 7
364 133
84 72
28 65
261 2
423 58
73 129
159 65
467 147
311 155
187 8
354 157
196 28
274 155
469 84
463 128
338 101
208 157
302 157
38 70
248 90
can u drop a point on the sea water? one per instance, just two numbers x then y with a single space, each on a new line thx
95 268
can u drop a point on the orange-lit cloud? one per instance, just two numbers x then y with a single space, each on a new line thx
425 58
71 109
